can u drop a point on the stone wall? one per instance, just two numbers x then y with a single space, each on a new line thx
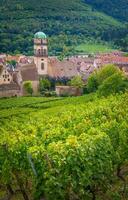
9 90
68 91
10 93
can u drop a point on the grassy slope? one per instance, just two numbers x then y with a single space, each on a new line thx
17 107
93 48
23 108
20 19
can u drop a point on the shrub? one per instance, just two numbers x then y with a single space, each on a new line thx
44 84
77 82
28 87
48 93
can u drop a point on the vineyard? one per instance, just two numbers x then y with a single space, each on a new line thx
72 148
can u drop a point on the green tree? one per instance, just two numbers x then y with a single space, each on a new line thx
28 87
105 72
112 84
44 84
77 82
99 76
64 53
12 63
92 84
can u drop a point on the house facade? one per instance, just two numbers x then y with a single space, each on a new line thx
5 76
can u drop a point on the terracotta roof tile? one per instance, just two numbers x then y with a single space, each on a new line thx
61 69
114 59
29 72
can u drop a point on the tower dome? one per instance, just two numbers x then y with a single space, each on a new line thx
40 35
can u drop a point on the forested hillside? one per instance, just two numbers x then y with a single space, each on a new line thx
117 9
68 22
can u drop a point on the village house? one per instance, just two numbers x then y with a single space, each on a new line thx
5 75
8 85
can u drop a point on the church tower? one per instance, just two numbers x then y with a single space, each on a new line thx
41 53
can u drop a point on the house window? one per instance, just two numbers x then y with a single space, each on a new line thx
3 76
42 66
4 80
8 79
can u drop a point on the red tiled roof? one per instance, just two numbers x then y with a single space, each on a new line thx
114 59
61 69
29 72
16 58
26 60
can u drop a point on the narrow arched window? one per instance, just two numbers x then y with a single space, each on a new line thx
42 66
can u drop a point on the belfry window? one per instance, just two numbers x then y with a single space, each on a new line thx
39 51
45 52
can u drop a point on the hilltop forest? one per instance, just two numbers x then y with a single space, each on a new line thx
117 9
67 24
